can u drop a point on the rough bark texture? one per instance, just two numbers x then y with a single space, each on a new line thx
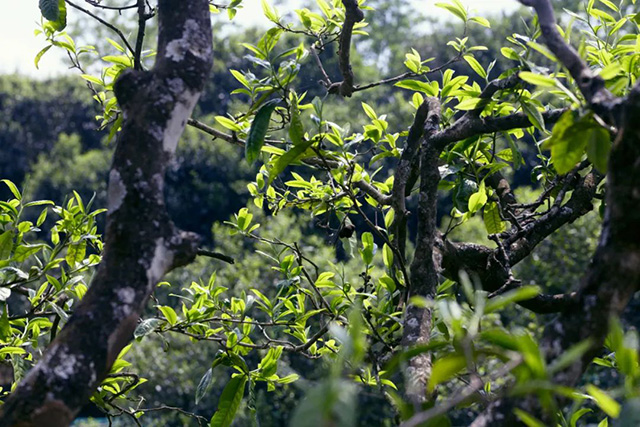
424 269
353 15
614 274
142 244
612 279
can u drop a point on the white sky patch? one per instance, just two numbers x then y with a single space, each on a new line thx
20 45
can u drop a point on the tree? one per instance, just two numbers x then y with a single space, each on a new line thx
419 322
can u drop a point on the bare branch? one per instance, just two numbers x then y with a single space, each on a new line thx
370 190
142 23
474 386
591 85
105 23
353 14
468 126
216 255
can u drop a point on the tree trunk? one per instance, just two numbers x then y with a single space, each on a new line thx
142 244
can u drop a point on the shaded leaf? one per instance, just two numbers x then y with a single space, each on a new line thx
287 158
446 368
598 148
229 402
605 402
259 129
204 385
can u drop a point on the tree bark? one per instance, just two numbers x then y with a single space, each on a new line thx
142 244
424 269
614 274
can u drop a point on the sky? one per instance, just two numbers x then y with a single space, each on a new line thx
19 45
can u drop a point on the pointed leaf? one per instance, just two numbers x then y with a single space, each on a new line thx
204 385
229 402
258 131
287 158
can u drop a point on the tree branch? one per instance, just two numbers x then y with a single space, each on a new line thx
353 14
105 23
424 269
142 23
591 85
468 126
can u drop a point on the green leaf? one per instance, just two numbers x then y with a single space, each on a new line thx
370 112
122 60
76 253
475 65
567 146
478 199
5 326
270 12
418 86
515 295
6 245
269 364
387 256
13 189
288 379
146 327
169 314
537 79
39 203
258 131
492 220
287 158
480 20
446 368
60 23
296 130
39 55
456 8
204 385
23 252
468 104
605 402
509 53
92 79
528 419
611 71
573 422
598 148
367 248
568 357
533 114
228 123
12 350
49 9
229 402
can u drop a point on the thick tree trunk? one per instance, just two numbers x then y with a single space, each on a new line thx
142 244
614 274
424 269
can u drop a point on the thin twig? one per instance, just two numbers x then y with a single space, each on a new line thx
105 23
